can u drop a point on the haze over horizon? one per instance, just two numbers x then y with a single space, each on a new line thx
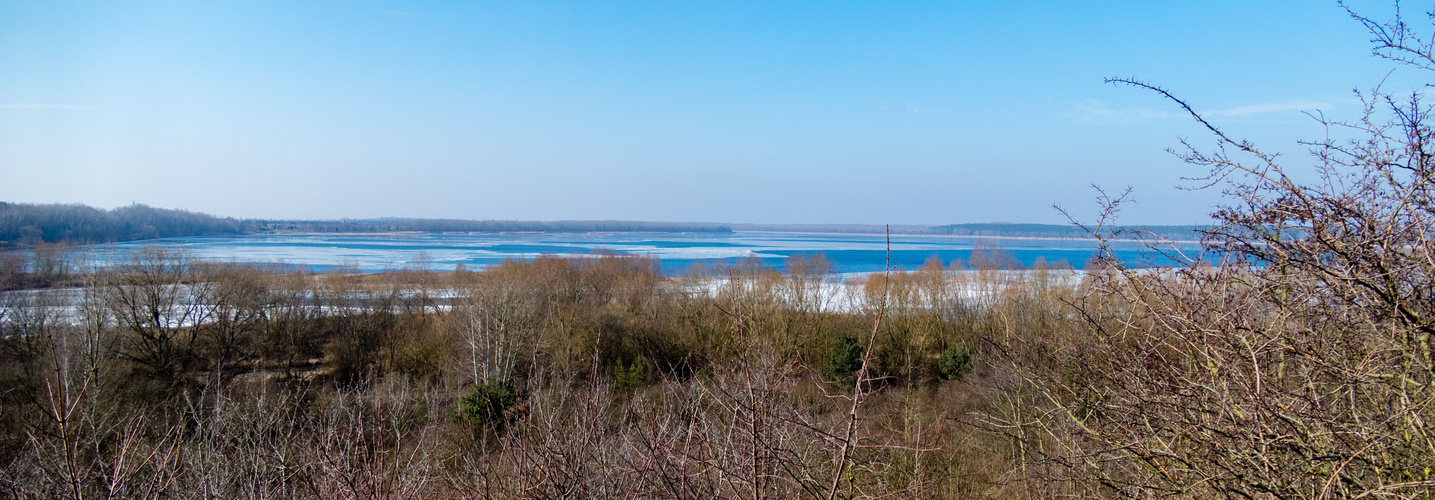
803 112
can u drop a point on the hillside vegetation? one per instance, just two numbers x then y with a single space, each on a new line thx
24 224
29 225
582 377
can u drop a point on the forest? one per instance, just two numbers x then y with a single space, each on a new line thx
30 225
25 225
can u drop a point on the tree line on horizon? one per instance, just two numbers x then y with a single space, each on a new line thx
1069 231
27 225
24 225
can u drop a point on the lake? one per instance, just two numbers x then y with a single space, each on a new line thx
677 252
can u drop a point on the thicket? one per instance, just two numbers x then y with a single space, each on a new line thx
556 377
1300 366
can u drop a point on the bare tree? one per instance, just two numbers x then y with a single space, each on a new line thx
496 318
158 298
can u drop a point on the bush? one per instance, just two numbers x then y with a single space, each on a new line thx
844 356
632 377
955 362
489 405
1297 365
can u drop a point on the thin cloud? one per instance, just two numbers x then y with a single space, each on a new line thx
1094 112
43 106
1267 108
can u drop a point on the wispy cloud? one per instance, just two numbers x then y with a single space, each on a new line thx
1266 108
43 106
1094 112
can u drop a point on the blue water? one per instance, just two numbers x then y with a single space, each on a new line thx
676 252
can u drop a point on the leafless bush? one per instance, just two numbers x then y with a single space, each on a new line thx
1300 365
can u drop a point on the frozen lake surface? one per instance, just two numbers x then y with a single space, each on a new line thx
677 252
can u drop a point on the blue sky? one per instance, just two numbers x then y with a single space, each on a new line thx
769 112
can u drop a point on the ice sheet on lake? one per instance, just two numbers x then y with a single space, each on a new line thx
676 252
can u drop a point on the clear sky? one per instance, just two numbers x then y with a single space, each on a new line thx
768 112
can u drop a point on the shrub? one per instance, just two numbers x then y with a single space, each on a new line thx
632 377
489 405
1298 364
955 362
844 356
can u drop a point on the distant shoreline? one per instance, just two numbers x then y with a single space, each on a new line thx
24 225
734 231
975 237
